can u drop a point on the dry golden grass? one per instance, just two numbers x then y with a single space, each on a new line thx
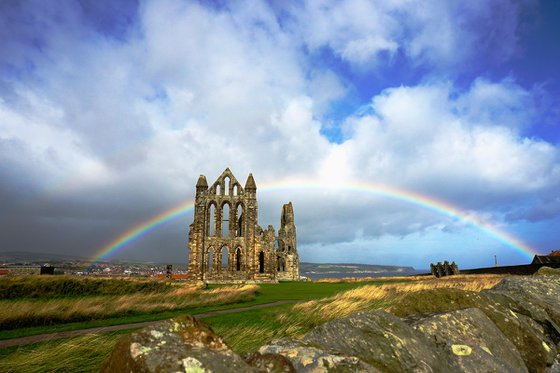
79 354
311 313
370 279
34 312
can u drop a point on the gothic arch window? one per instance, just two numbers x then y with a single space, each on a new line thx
226 185
210 259
281 264
240 218
261 262
235 189
211 223
225 258
218 189
238 259
225 219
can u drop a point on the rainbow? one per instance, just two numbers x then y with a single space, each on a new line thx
406 196
143 229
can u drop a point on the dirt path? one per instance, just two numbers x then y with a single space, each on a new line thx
73 333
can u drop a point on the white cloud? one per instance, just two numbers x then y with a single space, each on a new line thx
439 33
419 138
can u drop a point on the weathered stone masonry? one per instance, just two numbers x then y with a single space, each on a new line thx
226 242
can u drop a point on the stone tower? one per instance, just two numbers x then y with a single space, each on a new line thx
286 251
226 243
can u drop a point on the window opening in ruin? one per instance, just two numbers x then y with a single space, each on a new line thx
218 189
281 264
225 220
225 258
235 189
210 259
261 262
212 220
226 187
238 259
239 220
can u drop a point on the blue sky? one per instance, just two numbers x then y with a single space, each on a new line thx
109 111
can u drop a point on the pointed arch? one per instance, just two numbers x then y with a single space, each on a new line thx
238 258
218 190
227 186
236 190
261 262
281 264
211 221
210 262
239 219
225 219
225 259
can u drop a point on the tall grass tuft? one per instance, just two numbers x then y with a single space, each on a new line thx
316 312
79 354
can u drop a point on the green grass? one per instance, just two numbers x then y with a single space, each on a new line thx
246 331
300 290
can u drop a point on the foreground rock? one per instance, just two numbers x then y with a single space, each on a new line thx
510 328
182 344
523 324
472 341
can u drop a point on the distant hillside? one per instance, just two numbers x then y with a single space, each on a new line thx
338 270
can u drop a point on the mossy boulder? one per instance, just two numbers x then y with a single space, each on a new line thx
180 344
526 325
472 341
547 271
310 359
541 291
381 340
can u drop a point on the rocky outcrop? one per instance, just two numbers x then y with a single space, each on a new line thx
510 328
182 344
472 342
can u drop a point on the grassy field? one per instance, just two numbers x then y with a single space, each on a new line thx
57 300
243 331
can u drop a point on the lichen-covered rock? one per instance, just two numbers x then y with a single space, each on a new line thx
307 359
473 341
514 317
548 271
542 291
381 340
270 363
181 344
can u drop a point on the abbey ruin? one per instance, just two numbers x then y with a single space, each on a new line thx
226 243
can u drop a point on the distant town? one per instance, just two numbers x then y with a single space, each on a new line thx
28 263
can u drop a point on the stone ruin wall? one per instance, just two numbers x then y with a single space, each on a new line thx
226 243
